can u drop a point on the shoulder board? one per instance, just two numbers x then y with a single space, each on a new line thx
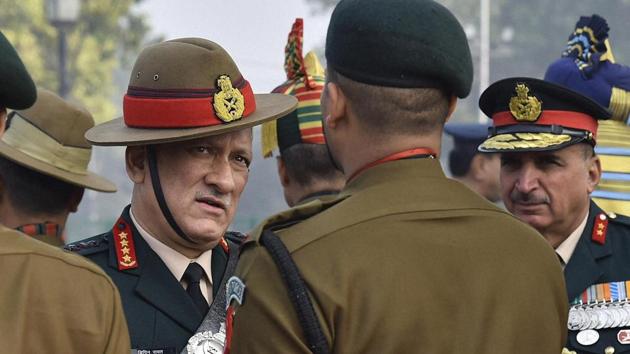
89 246
618 218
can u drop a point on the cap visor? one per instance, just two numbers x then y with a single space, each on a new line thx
510 142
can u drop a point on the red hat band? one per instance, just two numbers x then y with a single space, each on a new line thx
177 108
566 119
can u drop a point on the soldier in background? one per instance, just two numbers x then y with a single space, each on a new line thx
480 172
545 134
588 66
52 301
304 166
43 167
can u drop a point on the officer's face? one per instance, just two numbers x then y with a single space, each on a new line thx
202 181
549 190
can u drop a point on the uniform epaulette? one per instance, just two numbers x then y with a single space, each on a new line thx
89 246
235 237
618 219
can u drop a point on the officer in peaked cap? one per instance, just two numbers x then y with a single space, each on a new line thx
405 260
546 134
480 172
187 118
43 167
588 66
38 279
305 169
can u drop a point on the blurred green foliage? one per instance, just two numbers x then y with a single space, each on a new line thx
107 36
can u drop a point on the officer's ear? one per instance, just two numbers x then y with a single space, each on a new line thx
136 163
452 104
75 199
282 172
335 103
594 166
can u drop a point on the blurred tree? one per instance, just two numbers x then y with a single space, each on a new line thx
527 36
106 37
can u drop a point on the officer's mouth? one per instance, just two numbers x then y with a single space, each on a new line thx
212 204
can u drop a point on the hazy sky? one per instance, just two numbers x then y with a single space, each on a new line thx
253 32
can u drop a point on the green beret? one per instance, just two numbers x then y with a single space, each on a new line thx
399 43
17 90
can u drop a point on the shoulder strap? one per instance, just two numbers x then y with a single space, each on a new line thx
297 292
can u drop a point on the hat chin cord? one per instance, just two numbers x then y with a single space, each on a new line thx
159 194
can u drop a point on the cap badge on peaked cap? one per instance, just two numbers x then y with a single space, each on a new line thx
229 103
524 108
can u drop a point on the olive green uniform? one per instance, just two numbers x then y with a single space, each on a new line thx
404 261
53 301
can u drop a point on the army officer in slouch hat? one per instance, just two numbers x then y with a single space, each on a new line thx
52 301
404 260
43 167
187 119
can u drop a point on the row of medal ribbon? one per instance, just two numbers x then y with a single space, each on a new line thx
601 315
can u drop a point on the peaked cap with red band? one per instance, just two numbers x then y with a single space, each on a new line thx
185 89
534 115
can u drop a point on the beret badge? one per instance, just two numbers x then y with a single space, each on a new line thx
229 103
524 108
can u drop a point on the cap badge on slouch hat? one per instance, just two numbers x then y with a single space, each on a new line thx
305 81
523 107
229 103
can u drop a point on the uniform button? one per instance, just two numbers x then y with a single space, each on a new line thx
609 350
612 215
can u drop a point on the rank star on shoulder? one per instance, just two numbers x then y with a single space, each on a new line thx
122 235
127 258
125 250
124 243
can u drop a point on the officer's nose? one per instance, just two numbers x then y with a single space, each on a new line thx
221 175
528 178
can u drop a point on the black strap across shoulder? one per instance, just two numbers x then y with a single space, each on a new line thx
297 292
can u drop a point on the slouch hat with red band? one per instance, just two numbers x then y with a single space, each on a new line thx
534 115
185 89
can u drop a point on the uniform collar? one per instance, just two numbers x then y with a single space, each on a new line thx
48 232
317 195
175 261
395 172
567 247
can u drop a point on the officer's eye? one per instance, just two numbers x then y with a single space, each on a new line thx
549 161
507 162
242 160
